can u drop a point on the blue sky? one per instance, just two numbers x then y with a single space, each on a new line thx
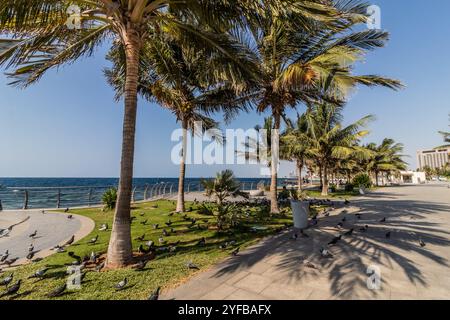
68 125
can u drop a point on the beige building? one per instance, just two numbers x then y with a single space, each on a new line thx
435 158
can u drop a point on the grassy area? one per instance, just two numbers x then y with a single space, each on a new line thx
165 270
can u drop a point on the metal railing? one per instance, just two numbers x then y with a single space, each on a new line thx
86 196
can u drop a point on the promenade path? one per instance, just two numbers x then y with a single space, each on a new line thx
52 229
276 269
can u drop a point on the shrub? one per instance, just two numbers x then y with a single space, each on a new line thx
349 187
109 199
333 188
362 179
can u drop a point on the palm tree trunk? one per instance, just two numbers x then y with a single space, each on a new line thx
325 180
299 176
120 248
320 176
180 200
274 166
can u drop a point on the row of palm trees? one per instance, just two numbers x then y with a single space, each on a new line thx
198 58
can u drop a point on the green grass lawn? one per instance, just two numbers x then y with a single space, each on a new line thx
165 270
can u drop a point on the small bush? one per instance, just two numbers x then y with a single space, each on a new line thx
362 180
333 188
349 187
109 199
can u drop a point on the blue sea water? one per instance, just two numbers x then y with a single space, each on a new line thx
15 193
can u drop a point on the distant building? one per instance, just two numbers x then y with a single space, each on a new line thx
412 177
435 159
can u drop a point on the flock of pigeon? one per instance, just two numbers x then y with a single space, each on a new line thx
324 250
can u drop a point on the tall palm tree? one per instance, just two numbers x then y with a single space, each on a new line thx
306 60
446 135
295 145
333 141
38 37
188 85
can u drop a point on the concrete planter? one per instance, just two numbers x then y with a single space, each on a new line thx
300 213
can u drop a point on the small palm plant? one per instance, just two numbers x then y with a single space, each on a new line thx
109 199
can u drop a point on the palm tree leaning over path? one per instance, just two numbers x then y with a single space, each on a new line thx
305 61
189 86
39 36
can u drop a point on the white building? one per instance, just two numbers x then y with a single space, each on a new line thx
434 159
412 177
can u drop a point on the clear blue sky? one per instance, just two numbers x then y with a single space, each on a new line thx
67 125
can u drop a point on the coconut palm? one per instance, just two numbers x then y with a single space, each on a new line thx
224 186
309 62
40 36
333 141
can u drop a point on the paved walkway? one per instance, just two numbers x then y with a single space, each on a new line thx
52 229
275 268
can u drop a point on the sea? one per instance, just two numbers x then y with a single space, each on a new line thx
39 193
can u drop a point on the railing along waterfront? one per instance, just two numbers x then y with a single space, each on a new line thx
86 196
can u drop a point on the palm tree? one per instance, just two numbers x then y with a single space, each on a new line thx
38 38
295 145
188 85
223 187
385 158
331 140
446 135
306 60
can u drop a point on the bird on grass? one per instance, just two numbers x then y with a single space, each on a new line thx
39 274
165 233
141 238
66 210
422 243
12 290
155 226
171 214
100 266
58 291
132 219
169 223
155 294
150 244
93 240
4 256
325 253
6 280
383 220
335 240
103 227
144 222
30 255
235 252
10 261
70 241
93 257
388 235
201 242
191 265
142 250
34 234
140 265
60 250
223 246
161 240
349 232
122 284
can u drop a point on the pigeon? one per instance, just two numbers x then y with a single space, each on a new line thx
364 229
191 265
30 255
294 236
325 253
144 222
93 240
172 248
335 240
161 240
155 294
388 235
66 210
165 233
58 291
421 243
70 216
383 220
39 274
235 252
60 250
103 227
132 219
121 285
100 266
4 256
142 250
140 265
150 243
37 260
201 242
340 225
304 235
70 241
12 290
223 246
31 248
33 234
349 232
155 226
169 223
171 214
7 280
141 238
93 258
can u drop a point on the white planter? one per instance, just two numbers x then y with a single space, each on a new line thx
300 213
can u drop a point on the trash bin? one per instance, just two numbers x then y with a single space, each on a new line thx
300 213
